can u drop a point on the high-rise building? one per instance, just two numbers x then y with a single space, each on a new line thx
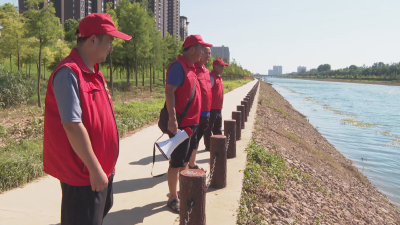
221 52
160 10
277 70
73 9
184 28
271 72
173 18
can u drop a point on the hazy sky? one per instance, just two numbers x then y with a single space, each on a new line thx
263 33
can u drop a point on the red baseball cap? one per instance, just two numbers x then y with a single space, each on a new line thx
99 23
194 39
220 61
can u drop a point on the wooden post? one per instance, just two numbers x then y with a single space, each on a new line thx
247 107
241 108
218 151
244 103
237 116
248 104
192 191
230 134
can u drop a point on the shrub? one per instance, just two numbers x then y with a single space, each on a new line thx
15 88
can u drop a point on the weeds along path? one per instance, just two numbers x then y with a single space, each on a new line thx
294 176
21 130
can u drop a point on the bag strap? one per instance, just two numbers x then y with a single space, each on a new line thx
154 157
188 104
179 120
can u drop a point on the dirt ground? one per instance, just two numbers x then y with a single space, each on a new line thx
332 191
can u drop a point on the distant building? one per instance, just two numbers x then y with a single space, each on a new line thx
173 18
277 70
160 10
271 72
221 52
301 69
183 28
73 9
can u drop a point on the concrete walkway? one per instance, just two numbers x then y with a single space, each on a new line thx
138 197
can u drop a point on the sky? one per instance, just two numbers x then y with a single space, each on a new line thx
292 33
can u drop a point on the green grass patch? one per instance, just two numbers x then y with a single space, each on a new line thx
20 162
230 85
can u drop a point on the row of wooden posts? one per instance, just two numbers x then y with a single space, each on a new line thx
192 183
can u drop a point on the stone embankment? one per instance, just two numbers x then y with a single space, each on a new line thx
324 187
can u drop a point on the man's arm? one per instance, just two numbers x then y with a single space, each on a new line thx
170 103
79 139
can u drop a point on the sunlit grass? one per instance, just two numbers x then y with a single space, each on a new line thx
357 123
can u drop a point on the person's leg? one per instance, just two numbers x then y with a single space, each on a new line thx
217 128
82 206
207 133
200 132
176 164
110 196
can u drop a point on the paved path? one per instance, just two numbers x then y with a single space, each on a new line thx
138 197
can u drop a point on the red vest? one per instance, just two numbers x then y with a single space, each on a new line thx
203 75
182 94
98 117
217 91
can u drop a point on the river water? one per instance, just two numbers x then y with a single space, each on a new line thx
362 121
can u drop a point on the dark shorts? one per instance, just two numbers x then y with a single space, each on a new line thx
82 206
183 152
202 128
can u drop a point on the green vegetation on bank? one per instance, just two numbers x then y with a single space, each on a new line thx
378 72
264 169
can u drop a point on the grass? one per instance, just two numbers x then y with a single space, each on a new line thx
263 169
21 143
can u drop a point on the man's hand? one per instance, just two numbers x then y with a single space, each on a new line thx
172 125
98 180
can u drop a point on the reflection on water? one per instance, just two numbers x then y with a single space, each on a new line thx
361 120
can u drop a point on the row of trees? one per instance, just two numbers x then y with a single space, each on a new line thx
37 38
378 71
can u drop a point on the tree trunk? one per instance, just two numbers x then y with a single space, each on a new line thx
10 63
154 75
120 71
29 70
111 77
136 71
128 75
163 80
44 70
19 61
26 68
151 83
38 84
143 75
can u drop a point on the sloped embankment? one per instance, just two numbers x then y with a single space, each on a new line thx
294 176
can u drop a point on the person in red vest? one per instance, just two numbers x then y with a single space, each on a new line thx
217 101
203 75
181 78
81 143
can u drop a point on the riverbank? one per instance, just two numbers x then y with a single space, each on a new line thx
391 83
294 175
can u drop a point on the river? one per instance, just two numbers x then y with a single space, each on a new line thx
362 121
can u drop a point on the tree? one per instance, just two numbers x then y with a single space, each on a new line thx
353 67
132 21
70 27
44 26
324 67
11 41
62 51
48 58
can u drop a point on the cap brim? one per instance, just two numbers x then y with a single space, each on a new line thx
225 64
206 44
119 34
